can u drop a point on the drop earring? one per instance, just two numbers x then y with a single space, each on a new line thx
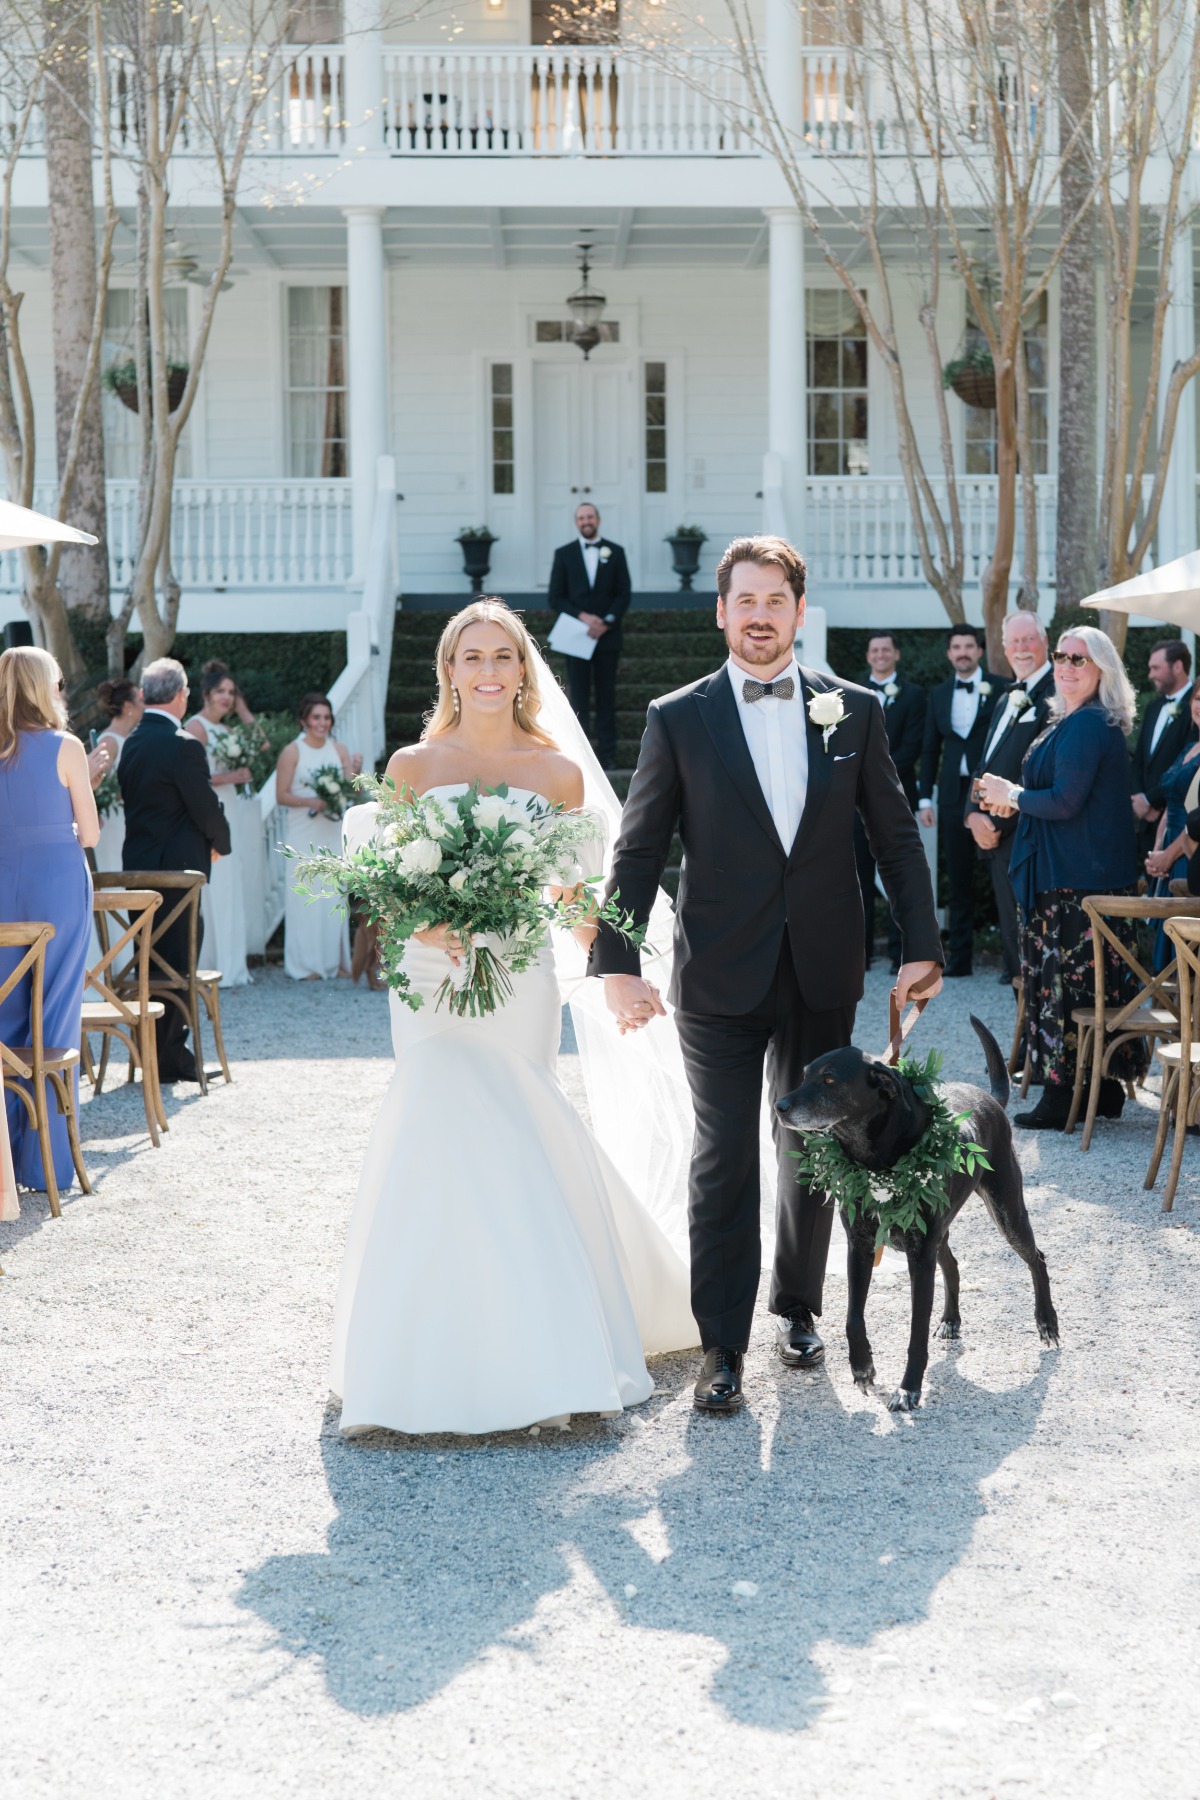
454 692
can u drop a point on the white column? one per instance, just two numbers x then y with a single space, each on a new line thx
367 365
1177 532
786 463
364 82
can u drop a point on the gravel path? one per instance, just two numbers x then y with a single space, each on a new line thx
206 1592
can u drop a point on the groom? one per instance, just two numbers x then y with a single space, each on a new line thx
768 930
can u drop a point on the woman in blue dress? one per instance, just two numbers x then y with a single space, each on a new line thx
47 820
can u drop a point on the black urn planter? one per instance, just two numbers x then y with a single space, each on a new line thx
477 559
685 559
127 393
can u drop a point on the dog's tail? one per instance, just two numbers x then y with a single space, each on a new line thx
997 1068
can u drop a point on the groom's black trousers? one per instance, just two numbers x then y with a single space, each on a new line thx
725 1059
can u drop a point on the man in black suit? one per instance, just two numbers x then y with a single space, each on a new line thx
903 705
590 579
762 768
1163 738
957 717
173 820
1016 721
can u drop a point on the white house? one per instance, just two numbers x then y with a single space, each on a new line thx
415 304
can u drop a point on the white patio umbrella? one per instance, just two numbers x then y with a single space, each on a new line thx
1170 593
19 526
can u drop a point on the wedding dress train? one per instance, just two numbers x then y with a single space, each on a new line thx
498 1270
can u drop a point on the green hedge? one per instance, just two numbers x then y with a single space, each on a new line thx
923 653
273 668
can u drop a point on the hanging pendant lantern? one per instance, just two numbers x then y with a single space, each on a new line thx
587 307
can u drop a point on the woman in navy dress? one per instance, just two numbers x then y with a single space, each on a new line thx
47 820
1074 837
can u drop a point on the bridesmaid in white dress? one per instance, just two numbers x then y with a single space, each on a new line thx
222 902
316 938
498 1270
122 701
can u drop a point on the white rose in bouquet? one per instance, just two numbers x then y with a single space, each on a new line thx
520 840
493 810
433 821
458 880
420 858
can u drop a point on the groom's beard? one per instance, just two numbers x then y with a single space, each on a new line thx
766 650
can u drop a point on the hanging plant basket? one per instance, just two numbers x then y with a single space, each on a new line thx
121 379
973 377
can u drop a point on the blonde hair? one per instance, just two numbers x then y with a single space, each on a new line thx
528 703
29 697
1115 692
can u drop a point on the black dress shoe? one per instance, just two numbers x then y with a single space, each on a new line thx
719 1387
183 1070
1050 1113
798 1342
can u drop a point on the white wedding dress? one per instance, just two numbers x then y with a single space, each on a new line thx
498 1270
222 898
316 935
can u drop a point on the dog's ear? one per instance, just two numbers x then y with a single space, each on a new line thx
881 1075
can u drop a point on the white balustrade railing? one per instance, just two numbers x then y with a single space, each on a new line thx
231 534
357 696
559 102
859 531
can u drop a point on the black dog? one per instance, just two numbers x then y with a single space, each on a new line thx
877 1117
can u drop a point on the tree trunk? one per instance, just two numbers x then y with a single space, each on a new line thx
999 569
1076 553
83 571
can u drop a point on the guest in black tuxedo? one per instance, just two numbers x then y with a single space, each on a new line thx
590 579
1163 738
957 718
903 705
173 820
768 930
1018 719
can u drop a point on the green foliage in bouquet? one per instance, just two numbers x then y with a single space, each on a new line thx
917 1188
481 864
255 747
108 795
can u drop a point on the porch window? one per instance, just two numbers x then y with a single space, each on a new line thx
981 425
654 403
316 378
315 22
837 385
502 428
122 427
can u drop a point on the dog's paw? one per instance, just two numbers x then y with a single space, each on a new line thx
1048 1335
905 1400
864 1379
950 1328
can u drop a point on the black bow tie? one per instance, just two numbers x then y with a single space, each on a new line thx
783 689
964 687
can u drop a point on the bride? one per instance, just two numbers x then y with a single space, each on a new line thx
498 1272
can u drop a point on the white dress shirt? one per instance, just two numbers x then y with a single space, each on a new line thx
1004 715
776 733
591 558
1162 721
964 710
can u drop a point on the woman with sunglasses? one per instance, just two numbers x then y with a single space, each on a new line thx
1074 837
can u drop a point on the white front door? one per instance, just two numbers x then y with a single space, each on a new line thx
582 451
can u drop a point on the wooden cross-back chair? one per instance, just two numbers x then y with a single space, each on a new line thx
1020 1057
1151 1012
35 1070
187 988
124 920
1180 1059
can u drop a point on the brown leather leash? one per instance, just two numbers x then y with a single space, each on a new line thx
898 1033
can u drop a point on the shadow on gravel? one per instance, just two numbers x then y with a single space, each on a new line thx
441 1550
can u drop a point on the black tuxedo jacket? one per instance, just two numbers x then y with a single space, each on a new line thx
943 749
569 591
173 819
1148 767
905 719
739 889
1006 743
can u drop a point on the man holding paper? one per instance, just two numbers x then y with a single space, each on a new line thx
590 591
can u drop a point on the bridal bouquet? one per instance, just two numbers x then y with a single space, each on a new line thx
240 746
479 863
108 794
338 790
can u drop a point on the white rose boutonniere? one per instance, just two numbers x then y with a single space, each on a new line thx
1171 711
605 552
1021 701
827 711
891 689
985 688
